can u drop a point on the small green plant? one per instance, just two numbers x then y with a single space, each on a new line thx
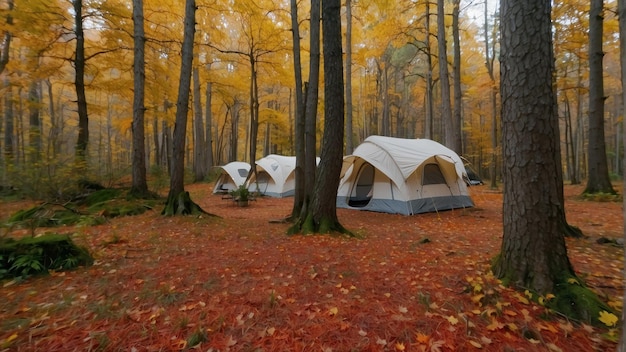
241 194
199 336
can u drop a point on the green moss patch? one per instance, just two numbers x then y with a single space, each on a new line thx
574 300
37 255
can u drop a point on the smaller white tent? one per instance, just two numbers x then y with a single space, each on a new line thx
232 176
275 176
402 176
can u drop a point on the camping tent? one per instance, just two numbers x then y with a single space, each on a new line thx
275 176
232 176
403 176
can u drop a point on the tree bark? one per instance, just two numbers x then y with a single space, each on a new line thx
311 101
444 80
428 124
322 214
598 180
349 132
621 6
79 83
209 124
7 36
533 253
178 201
489 63
298 199
139 182
457 137
34 125
199 160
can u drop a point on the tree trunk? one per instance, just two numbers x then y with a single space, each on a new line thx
598 172
310 120
79 83
34 128
234 131
9 150
199 160
622 41
457 136
533 254
254 113
209 124
139 182
349 132
444 81
322 214
178 201
489 62
298 199
7 36
428 124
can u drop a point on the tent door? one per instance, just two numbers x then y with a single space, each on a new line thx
361 193
434 183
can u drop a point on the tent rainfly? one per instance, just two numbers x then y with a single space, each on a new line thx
275 176
402 176
232 176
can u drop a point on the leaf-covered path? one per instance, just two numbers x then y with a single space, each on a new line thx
238 283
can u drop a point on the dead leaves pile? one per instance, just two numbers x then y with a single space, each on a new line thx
238 283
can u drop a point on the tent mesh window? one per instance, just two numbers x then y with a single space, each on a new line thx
433 175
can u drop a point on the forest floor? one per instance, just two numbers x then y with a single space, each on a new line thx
238 283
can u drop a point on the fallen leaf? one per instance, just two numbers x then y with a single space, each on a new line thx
609 319
475 344
453 320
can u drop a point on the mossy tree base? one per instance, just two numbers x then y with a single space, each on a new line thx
182 204
576 301
572 298
323 226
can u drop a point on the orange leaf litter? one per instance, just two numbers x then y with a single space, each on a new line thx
238 283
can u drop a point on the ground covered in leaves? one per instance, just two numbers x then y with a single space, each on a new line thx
237 283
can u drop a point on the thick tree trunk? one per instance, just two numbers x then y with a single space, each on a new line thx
622 41
178 201
532 208
533 254
598 180
322 214
139 182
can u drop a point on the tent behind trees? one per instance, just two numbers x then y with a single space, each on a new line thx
232 175
403 176
275 176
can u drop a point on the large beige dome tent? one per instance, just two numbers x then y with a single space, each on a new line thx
275 176
232 176
402 176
